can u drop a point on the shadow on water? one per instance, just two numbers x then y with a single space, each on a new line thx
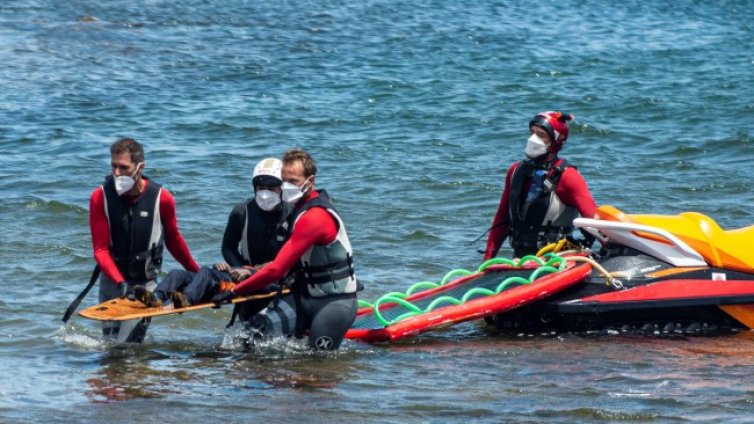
302 374
125 375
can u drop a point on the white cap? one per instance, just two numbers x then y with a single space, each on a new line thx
268 172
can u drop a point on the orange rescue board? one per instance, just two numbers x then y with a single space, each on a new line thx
125 309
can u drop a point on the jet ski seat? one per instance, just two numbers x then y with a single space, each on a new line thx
729 249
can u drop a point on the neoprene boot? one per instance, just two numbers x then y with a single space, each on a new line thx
179 299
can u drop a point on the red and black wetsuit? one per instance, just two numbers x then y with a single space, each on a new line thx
318 257
570 189
101 232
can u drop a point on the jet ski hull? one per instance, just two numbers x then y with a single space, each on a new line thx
666 285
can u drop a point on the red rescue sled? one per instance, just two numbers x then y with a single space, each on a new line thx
495 288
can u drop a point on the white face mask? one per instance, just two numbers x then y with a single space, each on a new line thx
293 193
124 183
535 147
267 199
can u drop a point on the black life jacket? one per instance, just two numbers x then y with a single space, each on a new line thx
538 217
264 233
324 270
136 235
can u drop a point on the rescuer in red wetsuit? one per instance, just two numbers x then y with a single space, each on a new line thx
543 194
317 261
132 219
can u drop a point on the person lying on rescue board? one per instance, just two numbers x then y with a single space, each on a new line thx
256 225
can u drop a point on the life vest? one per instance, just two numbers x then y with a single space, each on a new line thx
328 269
136 236
538 216
263 234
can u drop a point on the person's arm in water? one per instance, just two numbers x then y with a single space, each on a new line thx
315 226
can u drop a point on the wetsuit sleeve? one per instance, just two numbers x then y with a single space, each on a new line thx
174 240
500 224
100 229
315 226
233 235
574 192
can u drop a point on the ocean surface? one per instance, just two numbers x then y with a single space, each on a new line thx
413 110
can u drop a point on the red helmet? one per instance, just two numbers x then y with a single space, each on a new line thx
556 125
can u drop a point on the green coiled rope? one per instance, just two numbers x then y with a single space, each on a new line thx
553 263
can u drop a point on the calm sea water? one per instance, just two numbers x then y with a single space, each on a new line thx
413 110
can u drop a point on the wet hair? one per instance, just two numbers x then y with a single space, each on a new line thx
296 154
130 146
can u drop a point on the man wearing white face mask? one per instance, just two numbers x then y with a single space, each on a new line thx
132 218
543 194
257 226
317 258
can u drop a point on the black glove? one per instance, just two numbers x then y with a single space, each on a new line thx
125 290
273 288
224 297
